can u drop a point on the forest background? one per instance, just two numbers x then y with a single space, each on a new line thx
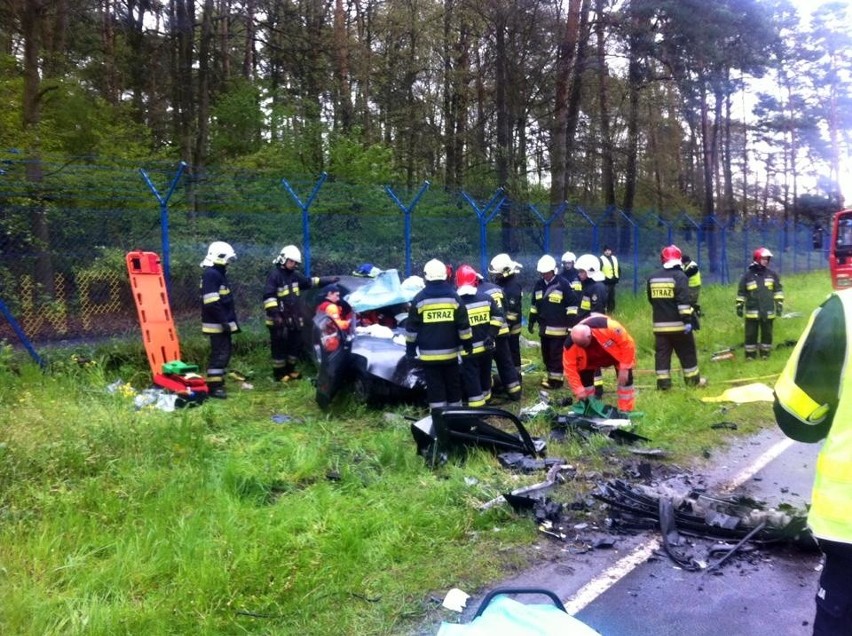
736 111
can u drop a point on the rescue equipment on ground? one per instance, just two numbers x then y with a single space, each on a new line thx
159 335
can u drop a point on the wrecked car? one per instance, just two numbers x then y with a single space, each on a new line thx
369 356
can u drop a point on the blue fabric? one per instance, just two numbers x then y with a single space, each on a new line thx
383 291
507 617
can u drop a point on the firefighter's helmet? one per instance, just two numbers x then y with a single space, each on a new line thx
671 256
503 265
435 270
219 253
289 253
466 276
761 252
546 264
590 264
569 257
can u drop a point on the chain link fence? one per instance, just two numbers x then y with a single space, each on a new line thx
65 229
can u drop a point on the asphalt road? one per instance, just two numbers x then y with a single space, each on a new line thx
635 589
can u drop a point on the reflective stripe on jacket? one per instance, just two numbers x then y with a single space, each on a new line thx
668 293
813 399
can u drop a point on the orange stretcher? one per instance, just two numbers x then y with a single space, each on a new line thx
158 329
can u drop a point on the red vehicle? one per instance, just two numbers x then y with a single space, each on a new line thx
840 250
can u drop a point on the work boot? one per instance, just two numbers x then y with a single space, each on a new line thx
294 375
278 374
218 392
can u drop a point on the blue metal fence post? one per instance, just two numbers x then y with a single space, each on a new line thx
164 217
406 214
21 335
485 216
306 227
548 222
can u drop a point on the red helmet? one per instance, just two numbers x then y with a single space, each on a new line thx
670 253
761 252
466 275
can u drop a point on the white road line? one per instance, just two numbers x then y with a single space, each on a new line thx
613 574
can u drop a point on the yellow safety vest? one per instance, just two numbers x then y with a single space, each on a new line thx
609 266
813 400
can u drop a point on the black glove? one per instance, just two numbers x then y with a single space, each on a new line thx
277 320
740 311
490 345
779 309
531 324
467 345
411 352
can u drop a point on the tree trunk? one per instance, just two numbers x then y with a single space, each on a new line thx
32 25
343 103
559 130
607 167
205 46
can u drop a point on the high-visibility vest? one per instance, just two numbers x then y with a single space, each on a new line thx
609 267
813 399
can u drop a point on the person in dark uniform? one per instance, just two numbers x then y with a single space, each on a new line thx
485 322
507 373
285 317
668 293
505 272
218 315
570 273
554 308
437 331
760 298
593 297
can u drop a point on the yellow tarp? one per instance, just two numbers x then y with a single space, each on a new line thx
757 392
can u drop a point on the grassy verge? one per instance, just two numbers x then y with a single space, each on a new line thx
220 520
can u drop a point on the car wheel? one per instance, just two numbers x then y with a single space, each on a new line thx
362 389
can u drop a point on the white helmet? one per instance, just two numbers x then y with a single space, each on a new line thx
568 257
219 253
546 264
590 264
503 265
435 270
288 253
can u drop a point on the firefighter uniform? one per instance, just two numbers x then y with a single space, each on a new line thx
760 298
554 307
593 297
510 381
609 345
668 293
218 314
512 312
693 275
285 316
485 322
813 401
438 326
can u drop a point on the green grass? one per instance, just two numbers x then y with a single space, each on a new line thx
217 520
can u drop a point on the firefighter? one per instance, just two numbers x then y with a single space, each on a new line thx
439 329
218 315
612 274
569 272
668 293
505 272
485 323
285 317
693 275
813 401
592 298
554 308
760 298
594 292
507 373
597 342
